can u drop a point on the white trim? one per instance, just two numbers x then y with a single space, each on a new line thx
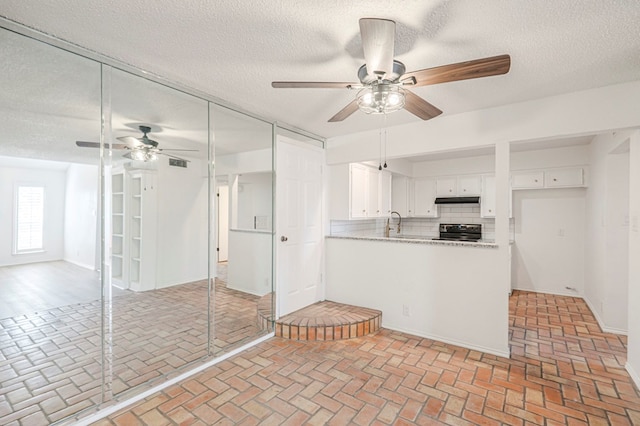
633 374
123 404
504 354
601 322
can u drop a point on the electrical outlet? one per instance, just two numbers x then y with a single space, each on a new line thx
405 310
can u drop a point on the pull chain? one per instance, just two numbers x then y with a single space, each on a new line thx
385 141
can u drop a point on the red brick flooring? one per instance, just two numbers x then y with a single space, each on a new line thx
50 361
563 371
328 321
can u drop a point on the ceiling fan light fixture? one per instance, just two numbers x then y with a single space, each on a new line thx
381 98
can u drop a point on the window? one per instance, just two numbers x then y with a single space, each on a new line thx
29 219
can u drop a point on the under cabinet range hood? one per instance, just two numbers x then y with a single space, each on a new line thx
457 200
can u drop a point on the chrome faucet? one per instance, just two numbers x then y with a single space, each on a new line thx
399 221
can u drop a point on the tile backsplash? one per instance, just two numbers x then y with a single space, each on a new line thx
419 226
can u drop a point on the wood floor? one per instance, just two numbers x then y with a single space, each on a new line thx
563 371
40 286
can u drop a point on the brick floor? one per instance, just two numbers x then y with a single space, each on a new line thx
50 361
328 321
563 371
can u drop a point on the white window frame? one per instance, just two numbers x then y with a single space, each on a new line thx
40 249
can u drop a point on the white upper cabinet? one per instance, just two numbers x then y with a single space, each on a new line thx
469 186
400 195
424 198
446 187
488 198
460 186
527 180
564 177
385 193
358 191
549 178
359 188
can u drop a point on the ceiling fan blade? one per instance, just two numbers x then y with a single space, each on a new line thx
345 112
378 37
485 67
173 156
88 144
97 145
130 141
419 107
128 155
313 85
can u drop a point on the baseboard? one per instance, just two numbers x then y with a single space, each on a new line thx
123 404
555 293
504 354
80 264
244 290
633 374
601 322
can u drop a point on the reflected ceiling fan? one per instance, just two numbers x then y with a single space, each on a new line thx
383 80
141 149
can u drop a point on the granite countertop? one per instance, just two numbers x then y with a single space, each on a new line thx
411 239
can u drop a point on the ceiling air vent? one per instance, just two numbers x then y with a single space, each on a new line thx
177 163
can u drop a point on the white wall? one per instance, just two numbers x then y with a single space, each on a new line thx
260 160
548 254
250 262
81 215
182 224
579 113
254 199
452 294
54 180
633 345
606 271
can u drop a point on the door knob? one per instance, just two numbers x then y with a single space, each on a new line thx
283 239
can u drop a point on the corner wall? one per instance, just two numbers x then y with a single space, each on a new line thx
606 280
633 346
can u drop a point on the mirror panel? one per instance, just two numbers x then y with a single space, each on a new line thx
159 238
50 290
244 227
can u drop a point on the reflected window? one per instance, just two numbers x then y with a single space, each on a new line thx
29 219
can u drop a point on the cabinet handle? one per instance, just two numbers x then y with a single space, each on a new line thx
490 210
364 211
377 211
451 190
464 190
535 180
555 180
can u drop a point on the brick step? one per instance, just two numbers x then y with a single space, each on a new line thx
328 321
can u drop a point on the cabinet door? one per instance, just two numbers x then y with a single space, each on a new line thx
385 193
564 177
469 186
358 191
400 195
411 204
488 197
424 196
373 192
527 180
446 187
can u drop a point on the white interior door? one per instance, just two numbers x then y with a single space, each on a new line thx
298 226
223 223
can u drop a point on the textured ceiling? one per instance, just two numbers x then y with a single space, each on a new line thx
233 49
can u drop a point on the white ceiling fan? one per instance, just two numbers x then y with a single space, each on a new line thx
141 149
384 80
